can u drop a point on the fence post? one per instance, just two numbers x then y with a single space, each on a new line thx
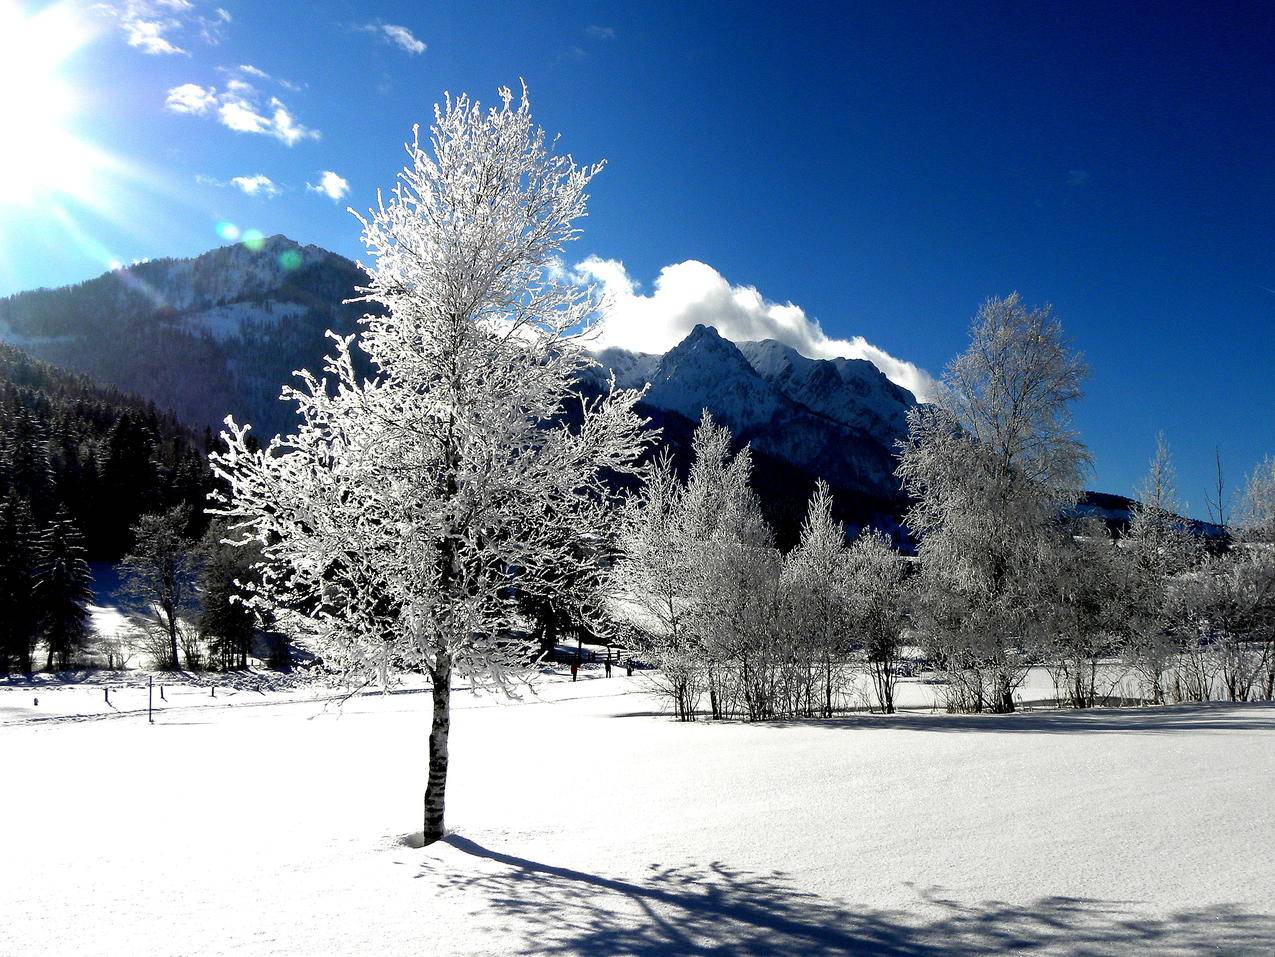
150 700
106 694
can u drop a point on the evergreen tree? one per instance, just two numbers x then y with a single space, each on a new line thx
63 590
127 474
226 578
18 620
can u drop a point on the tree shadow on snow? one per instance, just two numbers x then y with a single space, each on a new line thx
1173 719
717 910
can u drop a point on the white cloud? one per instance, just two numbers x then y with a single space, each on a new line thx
239 108
285 128
257 185
243 75
692 292
598 32
397 35
330 185
151 25
191 98
235 114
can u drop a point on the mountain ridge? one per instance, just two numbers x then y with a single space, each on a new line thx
217 334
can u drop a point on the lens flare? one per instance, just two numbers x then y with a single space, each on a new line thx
254 239
228 231
290 259
41 156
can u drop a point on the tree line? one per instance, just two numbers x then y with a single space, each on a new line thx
91 474
1007 576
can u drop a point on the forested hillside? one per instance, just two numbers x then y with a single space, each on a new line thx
97 454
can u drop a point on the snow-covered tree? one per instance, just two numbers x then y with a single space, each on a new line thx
880 602
1228 600
990 467
1256 532
655 578
736 586
402 518
159 574
1086 613
816 578
686 547
1161 548
1256 518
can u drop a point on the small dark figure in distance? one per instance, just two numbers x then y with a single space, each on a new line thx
574 668
608 667
628 667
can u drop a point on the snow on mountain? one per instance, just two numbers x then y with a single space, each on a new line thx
632 369
705 371
853 391
233 319
837 418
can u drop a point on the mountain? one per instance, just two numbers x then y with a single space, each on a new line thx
1116 512
223 332
834 418
203 337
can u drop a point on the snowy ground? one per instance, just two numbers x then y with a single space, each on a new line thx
588 823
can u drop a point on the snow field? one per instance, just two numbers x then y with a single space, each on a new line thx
586 822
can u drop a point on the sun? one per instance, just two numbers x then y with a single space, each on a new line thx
41 156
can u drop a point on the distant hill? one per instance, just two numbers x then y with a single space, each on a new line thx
1116 511
203 337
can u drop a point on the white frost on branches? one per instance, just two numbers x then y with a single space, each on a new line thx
402 517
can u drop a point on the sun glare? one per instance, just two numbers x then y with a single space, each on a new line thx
41 156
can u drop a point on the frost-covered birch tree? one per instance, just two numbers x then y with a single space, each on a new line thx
1160 549
817 582
991 466
655 578
880 601
400 521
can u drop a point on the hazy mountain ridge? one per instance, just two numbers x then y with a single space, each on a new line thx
204 337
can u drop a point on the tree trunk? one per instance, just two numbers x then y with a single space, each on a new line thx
435 790
172 635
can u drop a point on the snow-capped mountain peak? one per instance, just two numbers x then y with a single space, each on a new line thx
839 418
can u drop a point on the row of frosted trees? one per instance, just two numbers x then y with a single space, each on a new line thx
735 625
1007 578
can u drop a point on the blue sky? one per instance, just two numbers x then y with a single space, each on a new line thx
885 167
